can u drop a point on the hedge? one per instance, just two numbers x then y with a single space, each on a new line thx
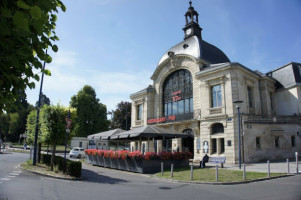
73 168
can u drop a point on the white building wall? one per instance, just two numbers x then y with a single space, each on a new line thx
288 101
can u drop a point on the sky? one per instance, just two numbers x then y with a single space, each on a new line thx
115 45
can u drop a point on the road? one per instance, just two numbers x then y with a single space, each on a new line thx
101 183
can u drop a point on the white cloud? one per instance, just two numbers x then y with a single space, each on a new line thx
64 58
67 78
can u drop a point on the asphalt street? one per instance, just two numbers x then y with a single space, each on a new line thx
102 183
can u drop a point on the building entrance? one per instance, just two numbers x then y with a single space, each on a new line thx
188 143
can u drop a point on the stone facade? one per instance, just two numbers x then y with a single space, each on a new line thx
270 112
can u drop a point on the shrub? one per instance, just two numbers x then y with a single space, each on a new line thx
136 155
177 156
187 155
59 162
107 154
123 154
100 152
74 168
46 159
165 155
151 156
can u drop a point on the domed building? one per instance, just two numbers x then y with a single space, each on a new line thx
197 90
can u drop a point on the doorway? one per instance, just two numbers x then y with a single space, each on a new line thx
188 143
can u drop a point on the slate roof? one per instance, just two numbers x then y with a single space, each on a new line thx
197 48
105 135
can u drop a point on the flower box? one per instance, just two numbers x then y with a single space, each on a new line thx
133 165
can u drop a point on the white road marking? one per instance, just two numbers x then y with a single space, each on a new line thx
4 179
14 174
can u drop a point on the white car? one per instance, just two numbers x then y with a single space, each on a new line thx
77 152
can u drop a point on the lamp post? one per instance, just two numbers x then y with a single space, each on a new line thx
37 119
238 102
68 125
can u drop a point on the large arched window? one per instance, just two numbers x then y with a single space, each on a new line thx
177 94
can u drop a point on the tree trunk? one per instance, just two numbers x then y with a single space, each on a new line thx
53 156
47 148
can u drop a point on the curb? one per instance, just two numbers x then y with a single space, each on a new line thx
49 176
224 183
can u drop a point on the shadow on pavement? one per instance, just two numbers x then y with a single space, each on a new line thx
93 177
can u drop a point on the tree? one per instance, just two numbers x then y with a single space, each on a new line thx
16 117
53 127
44 101
91 114
27 30
122 116
4 127
31 127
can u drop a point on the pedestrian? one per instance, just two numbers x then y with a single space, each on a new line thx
204 161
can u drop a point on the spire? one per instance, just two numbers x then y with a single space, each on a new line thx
192 23
191 15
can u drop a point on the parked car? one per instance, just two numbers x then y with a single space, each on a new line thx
77 152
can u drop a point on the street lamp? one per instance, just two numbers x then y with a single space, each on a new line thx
37 119
238 102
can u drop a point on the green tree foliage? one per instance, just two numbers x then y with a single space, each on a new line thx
15 119
91 114
122 116
4 126
31 127
53 127
27 30
44 101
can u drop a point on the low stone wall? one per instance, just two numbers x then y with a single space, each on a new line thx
139 166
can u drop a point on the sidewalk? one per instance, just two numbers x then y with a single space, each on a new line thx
275 167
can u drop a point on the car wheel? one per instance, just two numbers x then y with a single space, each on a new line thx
70 156
79 156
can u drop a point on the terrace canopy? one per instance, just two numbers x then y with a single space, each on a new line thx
105 135
146 132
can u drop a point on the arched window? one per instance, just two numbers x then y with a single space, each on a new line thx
177 94
217 128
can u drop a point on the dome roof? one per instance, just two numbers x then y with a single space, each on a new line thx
198 48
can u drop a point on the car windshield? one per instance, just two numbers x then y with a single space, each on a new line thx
75 149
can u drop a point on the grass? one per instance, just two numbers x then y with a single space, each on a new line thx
44 148
43 169
58 148
208 175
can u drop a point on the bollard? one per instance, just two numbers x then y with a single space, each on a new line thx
216 173
269 173
288 166
171 173
162 168
297 167
191 172
244 171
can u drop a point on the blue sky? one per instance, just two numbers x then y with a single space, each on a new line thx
115 45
